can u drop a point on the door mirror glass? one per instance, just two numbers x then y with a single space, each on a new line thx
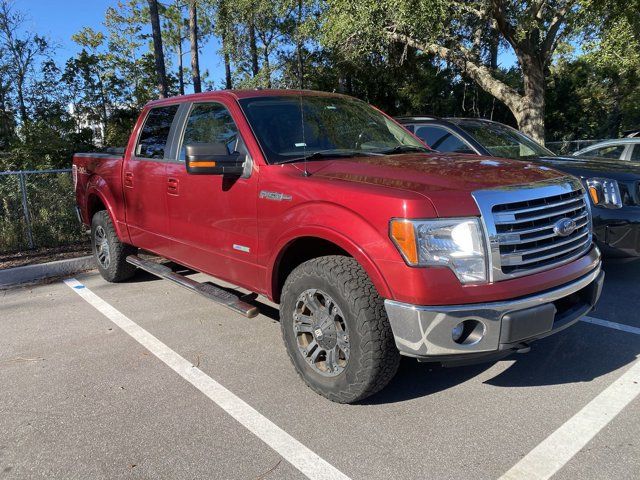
213 159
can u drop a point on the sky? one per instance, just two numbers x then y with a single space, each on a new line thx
60 19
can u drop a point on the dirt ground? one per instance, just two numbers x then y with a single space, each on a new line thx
42 255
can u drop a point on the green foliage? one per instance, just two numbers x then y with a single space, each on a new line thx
51 207
48 111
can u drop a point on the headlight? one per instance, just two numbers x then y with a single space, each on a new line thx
604 192
456 243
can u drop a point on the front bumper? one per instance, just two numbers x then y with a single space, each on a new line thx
426 332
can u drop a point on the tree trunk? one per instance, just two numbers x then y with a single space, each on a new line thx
157 48
267 66
193 37
227 65
21 103
253 48
180 52
299 48
224 22
530 111
180 69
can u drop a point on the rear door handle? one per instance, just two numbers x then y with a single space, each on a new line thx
128 179
172 186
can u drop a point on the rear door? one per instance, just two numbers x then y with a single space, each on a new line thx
212 219
144 180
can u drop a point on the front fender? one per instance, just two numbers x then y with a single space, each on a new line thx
342 227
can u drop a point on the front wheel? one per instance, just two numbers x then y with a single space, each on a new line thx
109 252
336 329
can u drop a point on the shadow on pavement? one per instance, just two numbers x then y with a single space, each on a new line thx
579 354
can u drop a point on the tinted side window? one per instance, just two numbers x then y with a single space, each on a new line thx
442 140
608 152
210 123
155 132
635 153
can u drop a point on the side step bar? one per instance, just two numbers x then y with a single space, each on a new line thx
207 290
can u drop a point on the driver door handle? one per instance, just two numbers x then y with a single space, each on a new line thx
172 186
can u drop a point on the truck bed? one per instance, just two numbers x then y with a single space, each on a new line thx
96 176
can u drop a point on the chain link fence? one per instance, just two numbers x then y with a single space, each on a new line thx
37 209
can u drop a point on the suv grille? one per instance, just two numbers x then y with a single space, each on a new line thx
526 231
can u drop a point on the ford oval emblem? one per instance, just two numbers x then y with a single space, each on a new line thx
564 227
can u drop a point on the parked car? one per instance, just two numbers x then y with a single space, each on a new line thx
621 148
614 185
372 245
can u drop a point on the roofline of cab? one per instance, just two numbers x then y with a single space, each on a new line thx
240 94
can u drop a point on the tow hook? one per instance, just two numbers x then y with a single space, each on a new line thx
523 348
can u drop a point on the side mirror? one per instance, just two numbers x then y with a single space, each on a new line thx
213 159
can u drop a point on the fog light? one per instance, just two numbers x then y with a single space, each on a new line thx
468 332
457 332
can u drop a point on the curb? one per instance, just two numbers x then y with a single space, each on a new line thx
31 273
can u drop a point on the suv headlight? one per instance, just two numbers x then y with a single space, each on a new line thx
456 243
604 192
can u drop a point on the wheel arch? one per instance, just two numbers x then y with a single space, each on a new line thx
98 200
314 243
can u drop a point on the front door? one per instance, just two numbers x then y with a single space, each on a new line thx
212 219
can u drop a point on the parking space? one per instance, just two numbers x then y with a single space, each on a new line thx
81 398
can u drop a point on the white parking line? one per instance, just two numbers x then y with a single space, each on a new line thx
616 326
563 444
309 463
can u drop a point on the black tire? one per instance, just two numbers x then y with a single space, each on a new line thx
373 358
117 269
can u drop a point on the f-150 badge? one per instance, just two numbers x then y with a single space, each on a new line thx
277 196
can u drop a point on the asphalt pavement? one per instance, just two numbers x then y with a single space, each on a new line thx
82 398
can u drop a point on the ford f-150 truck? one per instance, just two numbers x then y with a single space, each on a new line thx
373 245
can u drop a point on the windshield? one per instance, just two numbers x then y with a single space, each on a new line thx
291 128
503 141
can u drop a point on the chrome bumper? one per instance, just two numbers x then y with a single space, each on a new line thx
426 332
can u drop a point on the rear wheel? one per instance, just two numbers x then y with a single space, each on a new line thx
110 253
336 330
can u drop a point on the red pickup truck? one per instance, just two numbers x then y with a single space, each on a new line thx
373 245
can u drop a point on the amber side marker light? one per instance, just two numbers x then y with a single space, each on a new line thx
404 236
202 164
593 193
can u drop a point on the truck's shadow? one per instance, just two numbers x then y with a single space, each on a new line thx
579 354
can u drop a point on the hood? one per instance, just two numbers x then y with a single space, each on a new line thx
445 179
595 167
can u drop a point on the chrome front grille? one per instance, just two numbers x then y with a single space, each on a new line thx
526 231
523 226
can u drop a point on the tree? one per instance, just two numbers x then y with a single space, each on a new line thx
458 33
174 30
225 33
158 52
22 51
193 38
124 57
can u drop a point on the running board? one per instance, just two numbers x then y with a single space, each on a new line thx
212 292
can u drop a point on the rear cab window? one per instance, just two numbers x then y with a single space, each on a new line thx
154 136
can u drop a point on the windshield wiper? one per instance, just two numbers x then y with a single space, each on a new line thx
404 149
321 155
